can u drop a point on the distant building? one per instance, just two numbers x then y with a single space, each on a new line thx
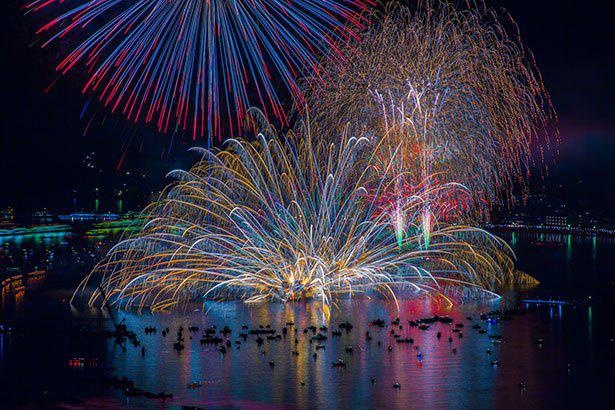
515 219
88 217
42 217
556 221
7 218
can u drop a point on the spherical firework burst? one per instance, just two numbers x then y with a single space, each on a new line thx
292 217
462 95
196 64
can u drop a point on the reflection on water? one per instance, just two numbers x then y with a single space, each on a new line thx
432 372
570 368
566 265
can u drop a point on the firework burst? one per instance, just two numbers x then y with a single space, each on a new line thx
461 94
193 64
289 217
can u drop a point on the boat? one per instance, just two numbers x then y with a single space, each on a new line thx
548 244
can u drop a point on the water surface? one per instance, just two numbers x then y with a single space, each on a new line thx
572 368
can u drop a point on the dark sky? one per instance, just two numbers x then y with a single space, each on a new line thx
43 144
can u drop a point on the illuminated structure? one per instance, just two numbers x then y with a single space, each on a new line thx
7 218
88 217
556 221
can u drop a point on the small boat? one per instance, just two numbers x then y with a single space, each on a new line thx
339 363
548 244
378 322
76 362
208 339
319 337
261 331
345 325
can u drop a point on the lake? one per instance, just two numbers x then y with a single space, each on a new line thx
571 367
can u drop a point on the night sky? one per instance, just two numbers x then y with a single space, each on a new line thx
43 144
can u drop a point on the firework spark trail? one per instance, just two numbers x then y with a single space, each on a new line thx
423 156
191 63
434 113
291 217
462 93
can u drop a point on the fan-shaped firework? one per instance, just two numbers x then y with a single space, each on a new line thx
291 217
189 63
461 93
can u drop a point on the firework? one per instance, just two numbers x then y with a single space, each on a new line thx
191 63
289 217
463 97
